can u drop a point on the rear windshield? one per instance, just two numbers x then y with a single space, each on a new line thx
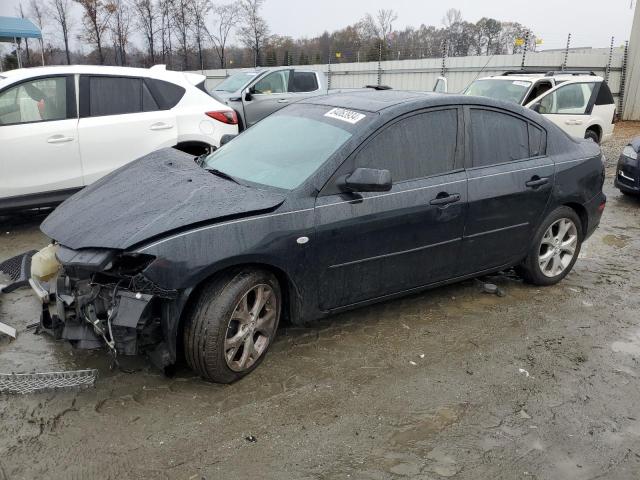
507 90
235 82
286 148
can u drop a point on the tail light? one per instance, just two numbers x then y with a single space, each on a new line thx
225 116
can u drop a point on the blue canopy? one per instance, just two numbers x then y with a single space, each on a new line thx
14 27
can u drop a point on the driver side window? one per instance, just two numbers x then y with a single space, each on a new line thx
276 82
43 99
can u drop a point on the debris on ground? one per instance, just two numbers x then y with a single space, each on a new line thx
524 415
491 288
23 383
18 269
7 330
522 370
251 439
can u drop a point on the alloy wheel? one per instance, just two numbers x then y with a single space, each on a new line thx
251 327
558 247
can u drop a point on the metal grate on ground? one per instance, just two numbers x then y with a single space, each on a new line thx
22 383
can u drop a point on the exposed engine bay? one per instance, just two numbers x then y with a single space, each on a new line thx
98 297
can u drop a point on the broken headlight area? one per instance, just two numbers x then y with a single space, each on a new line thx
101 297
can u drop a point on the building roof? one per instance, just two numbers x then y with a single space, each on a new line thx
14 27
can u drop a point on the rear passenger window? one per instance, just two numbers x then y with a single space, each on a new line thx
114 95
166 94
497 138
304 82
604 95
537 141
414 147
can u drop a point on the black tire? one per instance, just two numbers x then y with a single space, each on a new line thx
593 135
530 268
208 324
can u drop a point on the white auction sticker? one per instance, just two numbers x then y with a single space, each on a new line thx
345 115
521 83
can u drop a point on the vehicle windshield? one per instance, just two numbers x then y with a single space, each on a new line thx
235 82
508 90
286 148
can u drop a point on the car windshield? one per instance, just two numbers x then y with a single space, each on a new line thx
286 148
508 90
235 82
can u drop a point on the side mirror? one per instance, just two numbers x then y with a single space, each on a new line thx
226 138
247 96
536 107
366 180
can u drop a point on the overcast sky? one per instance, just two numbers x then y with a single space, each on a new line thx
591 22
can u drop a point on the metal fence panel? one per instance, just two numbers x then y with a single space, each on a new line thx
421 74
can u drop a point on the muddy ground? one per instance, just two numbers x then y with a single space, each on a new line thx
543 383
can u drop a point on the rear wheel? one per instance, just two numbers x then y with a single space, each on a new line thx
555 248
593 135
232 325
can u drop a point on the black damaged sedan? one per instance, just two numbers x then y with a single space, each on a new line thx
329 204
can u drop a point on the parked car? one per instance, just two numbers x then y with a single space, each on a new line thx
328 204
254 94
62 128
628 171
578 102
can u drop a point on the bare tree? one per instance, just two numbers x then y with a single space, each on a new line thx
96 15
120 29
451 17
182 21
146 20
166 29
20 12
60 12
253 30
198 10
380 26
38 14
228 16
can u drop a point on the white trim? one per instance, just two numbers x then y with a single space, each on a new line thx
208 227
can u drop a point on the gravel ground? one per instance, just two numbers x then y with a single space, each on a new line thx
542 383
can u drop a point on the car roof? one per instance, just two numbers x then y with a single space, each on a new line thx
369 100
158 71
528 77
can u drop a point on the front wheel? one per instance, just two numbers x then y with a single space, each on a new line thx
232 325
555 248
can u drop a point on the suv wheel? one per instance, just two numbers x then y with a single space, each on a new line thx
555 248
232 325
593 135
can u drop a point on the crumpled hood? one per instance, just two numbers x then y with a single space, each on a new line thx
152 196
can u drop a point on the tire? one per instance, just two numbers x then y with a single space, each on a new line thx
592 135
224 339
547 247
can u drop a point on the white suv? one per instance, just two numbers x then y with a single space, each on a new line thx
578 102
62 128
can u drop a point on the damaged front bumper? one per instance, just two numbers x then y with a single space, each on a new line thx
98 297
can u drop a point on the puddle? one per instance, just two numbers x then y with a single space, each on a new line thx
429 425
631 347
618 241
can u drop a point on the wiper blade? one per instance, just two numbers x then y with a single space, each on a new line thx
220 174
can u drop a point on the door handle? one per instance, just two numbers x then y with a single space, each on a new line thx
283 100
59 139
444 198
536 182
161 126
573 122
